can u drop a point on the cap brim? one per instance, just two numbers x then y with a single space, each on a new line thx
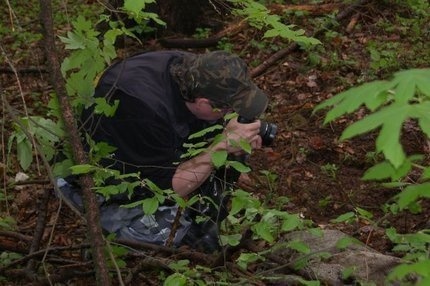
250 103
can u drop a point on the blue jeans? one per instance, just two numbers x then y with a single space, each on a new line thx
134 225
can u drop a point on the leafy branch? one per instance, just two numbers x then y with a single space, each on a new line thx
392 103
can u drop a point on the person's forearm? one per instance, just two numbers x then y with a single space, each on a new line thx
193 173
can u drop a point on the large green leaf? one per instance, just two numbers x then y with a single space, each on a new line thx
375 120
135 6
388 141
371 94
391 118
409 81
413 193
421 112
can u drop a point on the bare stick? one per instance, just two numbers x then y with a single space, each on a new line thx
90 202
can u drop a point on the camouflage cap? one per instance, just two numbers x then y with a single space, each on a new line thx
224 79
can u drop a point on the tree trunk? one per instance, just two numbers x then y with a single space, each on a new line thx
181 16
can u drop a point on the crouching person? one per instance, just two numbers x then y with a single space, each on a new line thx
164 97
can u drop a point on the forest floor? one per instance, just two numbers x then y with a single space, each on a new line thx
320 175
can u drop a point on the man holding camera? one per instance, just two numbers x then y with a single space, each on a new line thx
164 97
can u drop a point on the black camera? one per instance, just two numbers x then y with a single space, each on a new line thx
267 130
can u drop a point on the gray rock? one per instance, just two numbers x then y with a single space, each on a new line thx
326 261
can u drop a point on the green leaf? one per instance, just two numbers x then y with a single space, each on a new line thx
232 239
413 193
426 174
176 279
73 41
379 171
205 131
348 272
299 246
371 94
364 213
246 258
239 166
245 146
291 222
82 169
242 200
63 169
346 241
134 6
388 141
24 153
375 120
108 191
402 271
420 111
344 217
409 81
386 170
219 158
103 107
391 118
263 229
150 205
101 150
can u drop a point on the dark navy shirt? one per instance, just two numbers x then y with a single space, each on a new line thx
151 123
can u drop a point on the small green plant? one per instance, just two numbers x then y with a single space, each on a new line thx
383 56
184 274
416 249
260 17
354 216
7 223
373 157
202 33
225 44
330 170
7 257
325 202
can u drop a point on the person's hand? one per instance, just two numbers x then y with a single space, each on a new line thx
234 132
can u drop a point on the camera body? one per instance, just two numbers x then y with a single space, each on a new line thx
267 130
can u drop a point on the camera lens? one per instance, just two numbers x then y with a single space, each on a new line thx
268 132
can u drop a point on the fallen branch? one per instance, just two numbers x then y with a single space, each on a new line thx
16 235
23 70
145 264
40 253
62 276
316 9
203 43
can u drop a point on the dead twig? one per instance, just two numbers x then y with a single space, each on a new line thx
28 70
40 227
145 264
352 23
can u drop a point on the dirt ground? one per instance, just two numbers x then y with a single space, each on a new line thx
320 175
